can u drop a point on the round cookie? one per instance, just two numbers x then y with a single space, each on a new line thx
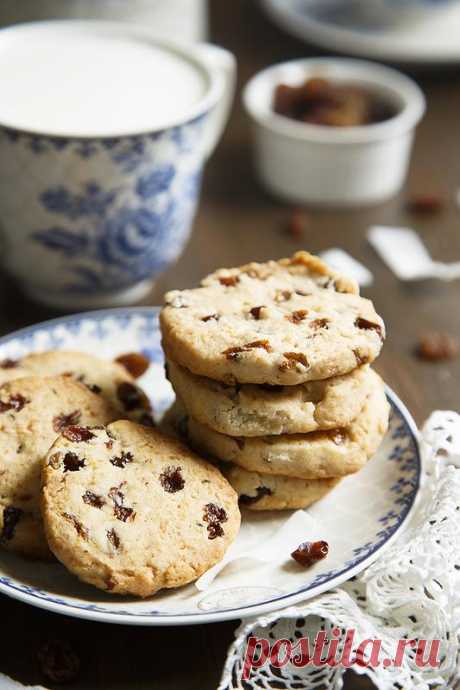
251 410
266 492
141 513
320 454
279 323
103 377
33 412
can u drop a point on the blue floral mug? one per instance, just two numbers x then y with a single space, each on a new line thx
89 220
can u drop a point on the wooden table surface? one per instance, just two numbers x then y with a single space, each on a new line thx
238 222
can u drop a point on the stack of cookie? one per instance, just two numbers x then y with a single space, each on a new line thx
270 365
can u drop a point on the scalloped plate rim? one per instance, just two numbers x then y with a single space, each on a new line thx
241 612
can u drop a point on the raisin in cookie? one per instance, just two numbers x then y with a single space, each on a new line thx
320 454
103 377
280 323
266 492
33 412
138 513
251 410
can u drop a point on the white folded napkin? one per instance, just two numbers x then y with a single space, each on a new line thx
278 546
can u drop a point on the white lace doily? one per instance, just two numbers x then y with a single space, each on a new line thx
412 591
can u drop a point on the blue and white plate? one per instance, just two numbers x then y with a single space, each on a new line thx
358 519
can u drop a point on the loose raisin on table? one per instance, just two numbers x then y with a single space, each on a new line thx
309 552
62 420
172 480
438 346
135 363
77 434
425 204
59 663
297 224
11 517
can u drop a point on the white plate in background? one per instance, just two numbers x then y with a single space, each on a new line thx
342 26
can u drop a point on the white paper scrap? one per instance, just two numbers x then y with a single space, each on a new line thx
405 254
9 684
278 547
342 261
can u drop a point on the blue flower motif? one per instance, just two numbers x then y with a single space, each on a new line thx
62 240
155 182
93 202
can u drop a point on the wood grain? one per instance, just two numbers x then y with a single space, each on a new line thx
238 222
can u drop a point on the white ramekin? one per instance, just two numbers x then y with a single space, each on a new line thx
305 163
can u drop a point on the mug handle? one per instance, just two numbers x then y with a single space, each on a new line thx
223 65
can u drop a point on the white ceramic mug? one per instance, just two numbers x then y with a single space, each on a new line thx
89 220
178 20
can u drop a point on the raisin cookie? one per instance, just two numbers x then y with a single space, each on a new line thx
266 492
251 410
33 412
138 512
320 454
280 323
103 377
